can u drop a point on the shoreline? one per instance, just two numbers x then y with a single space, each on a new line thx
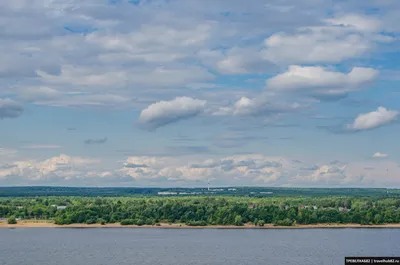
28 224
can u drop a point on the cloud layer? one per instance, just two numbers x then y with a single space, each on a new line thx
251 169
241 70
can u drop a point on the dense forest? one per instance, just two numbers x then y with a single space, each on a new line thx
204 210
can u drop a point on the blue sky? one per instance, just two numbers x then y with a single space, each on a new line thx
177 93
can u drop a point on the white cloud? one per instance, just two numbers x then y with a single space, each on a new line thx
153 43
159 76
358 22
38 93
356 174
10 108
239 169
261 106
165 112
112 53
84 77
61 168
321 83
379 155
325 175
341 38
244 61
374 119
249 169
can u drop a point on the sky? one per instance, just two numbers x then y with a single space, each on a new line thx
168 93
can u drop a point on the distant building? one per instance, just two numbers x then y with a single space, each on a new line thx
251 206
286 207
61 207
232 189
20 207
266 192
167 193
315 207
216 189
190 193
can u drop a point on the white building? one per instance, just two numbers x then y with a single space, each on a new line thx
167 193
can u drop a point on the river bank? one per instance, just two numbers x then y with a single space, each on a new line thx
36 224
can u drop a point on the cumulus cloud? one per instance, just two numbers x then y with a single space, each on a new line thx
257 169
59 168
379 155
101 54
325 175
96 141
338 39
249 169
374 119
321 83
75 54
165 112
260 106
10 108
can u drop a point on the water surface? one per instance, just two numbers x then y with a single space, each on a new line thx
120 246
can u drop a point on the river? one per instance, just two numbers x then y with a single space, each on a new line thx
120 246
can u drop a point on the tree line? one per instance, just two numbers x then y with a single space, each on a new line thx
203 211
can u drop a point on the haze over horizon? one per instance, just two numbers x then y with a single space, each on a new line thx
164 93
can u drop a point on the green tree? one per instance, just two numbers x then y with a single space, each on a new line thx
11 220
378 219
238 220
284 222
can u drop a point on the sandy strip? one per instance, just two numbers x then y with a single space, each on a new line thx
27 224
